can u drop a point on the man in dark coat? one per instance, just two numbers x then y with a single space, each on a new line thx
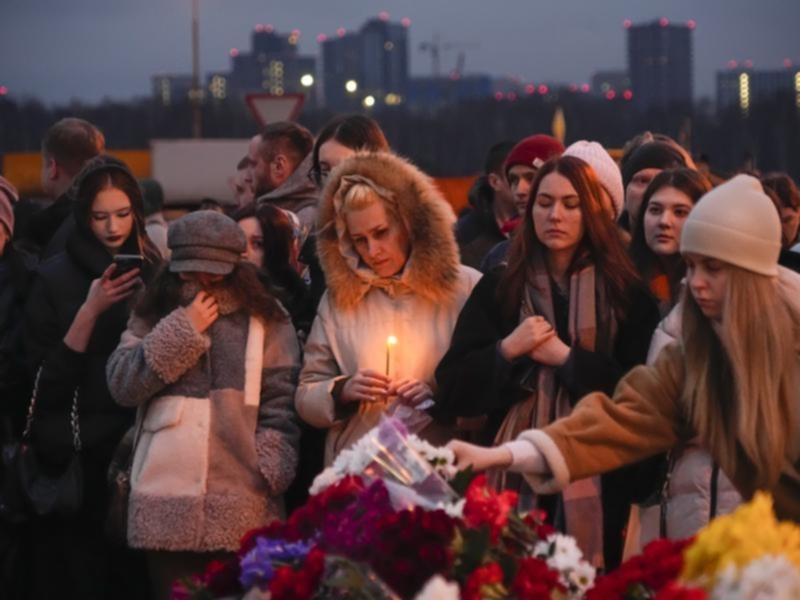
66 147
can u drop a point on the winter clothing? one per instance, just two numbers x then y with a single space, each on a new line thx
645 417
299 195
360 310
652 155
604 167
218 445
205 241
533 151
157 228
477 231
737 223
8 197
475 379
497 257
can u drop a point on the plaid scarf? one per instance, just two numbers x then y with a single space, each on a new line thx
549 400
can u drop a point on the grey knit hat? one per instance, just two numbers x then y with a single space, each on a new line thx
205 242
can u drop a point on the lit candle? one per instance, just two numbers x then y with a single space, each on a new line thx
390 342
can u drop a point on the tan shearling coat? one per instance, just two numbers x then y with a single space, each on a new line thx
360 311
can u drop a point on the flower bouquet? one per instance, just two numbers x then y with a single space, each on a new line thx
393 519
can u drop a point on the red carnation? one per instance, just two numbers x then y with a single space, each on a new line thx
490 574
301 584
673 591
484 506
535 580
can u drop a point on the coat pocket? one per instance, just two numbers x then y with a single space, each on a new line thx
163 412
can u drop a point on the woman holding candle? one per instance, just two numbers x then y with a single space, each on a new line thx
387 247
568 316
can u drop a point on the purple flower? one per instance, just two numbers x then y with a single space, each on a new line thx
258 565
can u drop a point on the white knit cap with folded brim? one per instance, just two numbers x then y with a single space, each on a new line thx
736 223
605 168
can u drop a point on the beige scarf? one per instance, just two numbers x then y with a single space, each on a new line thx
550 401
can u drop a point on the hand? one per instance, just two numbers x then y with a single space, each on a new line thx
552 352
410 391
365 386
203 311
104 292
479 457
527 335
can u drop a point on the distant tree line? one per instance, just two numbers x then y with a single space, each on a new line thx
453 140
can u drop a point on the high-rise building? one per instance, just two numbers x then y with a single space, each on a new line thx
743 86
171 89
371 62
615 82
660 63
274 66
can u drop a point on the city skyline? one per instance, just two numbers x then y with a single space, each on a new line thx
80 61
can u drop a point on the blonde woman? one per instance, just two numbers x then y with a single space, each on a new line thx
391 262
731 379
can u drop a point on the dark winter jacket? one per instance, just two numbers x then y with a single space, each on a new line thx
297 194
41 227
476 230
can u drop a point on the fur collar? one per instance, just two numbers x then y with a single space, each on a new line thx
433 265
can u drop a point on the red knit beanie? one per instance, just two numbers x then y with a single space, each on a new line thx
532 151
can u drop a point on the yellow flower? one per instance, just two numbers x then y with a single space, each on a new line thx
739 538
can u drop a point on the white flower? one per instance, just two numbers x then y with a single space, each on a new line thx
560 551
581 578
453 509
441 459
769 577
325 479
438 588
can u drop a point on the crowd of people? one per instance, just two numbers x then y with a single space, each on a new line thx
617 341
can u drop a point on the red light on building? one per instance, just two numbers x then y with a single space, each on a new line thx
341 32
405 22
383 15
787 62
259 28
663 21
611 94
234 52
573 88
3 90
627 94
498 95
512 96
530 89
543 89
269 28
748 64
585 88
296 32
732 64
627 23
691 24
322 38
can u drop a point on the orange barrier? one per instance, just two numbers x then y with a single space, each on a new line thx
23 169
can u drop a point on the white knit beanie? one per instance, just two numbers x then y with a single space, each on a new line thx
604 167
737 223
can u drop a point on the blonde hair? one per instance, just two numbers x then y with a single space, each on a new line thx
740 385
357 192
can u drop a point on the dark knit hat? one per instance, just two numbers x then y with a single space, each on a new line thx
533 151
652 155
205 241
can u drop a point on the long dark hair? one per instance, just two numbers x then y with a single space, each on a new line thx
114 174
356 132
163 294
601 244
687 181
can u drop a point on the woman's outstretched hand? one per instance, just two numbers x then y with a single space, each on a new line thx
479 458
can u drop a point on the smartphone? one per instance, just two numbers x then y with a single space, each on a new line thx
127 262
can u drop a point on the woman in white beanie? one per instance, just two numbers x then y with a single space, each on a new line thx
732 379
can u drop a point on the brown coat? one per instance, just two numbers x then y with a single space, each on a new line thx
645 417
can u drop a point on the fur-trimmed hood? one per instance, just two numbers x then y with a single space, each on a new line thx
432 269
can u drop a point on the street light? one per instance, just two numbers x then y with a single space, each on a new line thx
307 80
369 101
351 86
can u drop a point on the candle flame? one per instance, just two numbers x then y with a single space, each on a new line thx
391 341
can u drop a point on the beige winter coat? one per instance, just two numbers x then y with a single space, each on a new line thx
360 311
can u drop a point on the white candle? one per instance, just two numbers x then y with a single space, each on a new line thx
390 342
